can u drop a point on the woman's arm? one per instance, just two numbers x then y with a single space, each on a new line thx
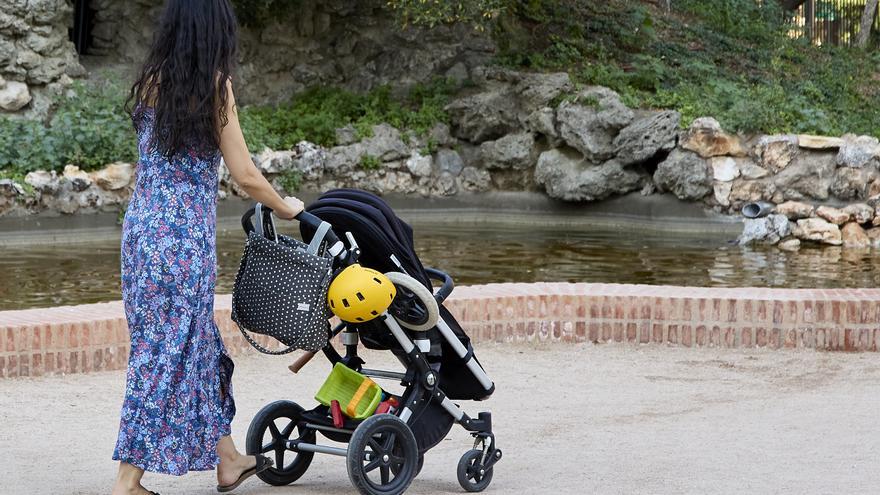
244 172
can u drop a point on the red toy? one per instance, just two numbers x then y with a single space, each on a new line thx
336 411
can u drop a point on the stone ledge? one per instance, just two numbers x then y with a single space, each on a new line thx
94 337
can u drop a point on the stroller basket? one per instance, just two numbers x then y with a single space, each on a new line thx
358 396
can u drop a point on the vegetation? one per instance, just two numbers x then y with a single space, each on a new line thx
290 180
90 129
730 59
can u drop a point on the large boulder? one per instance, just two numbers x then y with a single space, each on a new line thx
543 121
724 168
706 138
747 191
684 174
795 210
536 90
590 122
860 212
419 165
474 179
833 215
819 230
78 179
43 181
819 142
852 183
770 230
274 162
853 235
569 177
775 152
309 159
14 96
115 176
859 151
483 116
514 151
448 161
807 176
646 137
385 145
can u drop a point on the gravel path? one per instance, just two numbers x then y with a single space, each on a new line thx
570 419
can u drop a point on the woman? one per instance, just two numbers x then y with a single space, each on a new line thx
178 399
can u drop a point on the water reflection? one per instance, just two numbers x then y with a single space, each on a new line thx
40 276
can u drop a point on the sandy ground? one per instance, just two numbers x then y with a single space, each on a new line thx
573 419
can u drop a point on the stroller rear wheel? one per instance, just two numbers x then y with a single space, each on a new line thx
269 432
471 474
383 456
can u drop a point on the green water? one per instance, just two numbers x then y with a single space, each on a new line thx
42 276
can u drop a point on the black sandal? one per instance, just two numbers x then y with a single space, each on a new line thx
263 463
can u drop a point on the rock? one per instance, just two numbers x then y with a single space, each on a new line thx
79 180
852 183
274 162
722 192
115 176
458 73
543 121
309 159
536 90
833 215
874 236
817 229
684 174
789 245
441 136
749 169
10 188
858 151
775 152
43 181
445 185
853 235
386 144
819 142
747 191
448 161
646 137
590 123
474 179
770 230
418 165
346 135
795 210
808 176
706 138
483 116
514 151
571 178
860 212
14 96
724 168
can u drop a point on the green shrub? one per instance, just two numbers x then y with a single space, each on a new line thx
370 162
290 180
316 114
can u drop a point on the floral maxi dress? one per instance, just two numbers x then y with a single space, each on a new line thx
178 395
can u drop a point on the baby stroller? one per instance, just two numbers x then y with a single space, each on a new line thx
385 451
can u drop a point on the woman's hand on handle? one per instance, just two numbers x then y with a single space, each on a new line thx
294 207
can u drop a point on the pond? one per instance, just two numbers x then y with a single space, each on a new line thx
42 276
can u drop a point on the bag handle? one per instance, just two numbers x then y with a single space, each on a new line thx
260 226
320 234
253 342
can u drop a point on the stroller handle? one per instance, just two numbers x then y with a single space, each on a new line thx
303 217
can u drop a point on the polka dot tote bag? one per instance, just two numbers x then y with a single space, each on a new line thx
281 289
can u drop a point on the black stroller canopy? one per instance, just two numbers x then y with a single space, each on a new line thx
375 227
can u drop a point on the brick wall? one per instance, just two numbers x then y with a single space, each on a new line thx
94 337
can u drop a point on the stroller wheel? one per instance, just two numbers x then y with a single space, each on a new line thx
383 456
414 307
269 431
396 469
471 475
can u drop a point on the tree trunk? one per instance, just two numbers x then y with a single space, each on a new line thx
867 23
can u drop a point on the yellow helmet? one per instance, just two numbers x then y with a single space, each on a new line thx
360 294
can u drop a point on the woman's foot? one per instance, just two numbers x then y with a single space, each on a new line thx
136 490
231 468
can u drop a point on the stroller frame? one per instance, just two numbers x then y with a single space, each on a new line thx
422 390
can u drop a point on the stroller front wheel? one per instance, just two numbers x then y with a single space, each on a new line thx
471 474
268 434
383 456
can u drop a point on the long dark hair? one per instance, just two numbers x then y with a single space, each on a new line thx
184 76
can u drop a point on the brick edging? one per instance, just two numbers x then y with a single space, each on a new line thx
93 337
